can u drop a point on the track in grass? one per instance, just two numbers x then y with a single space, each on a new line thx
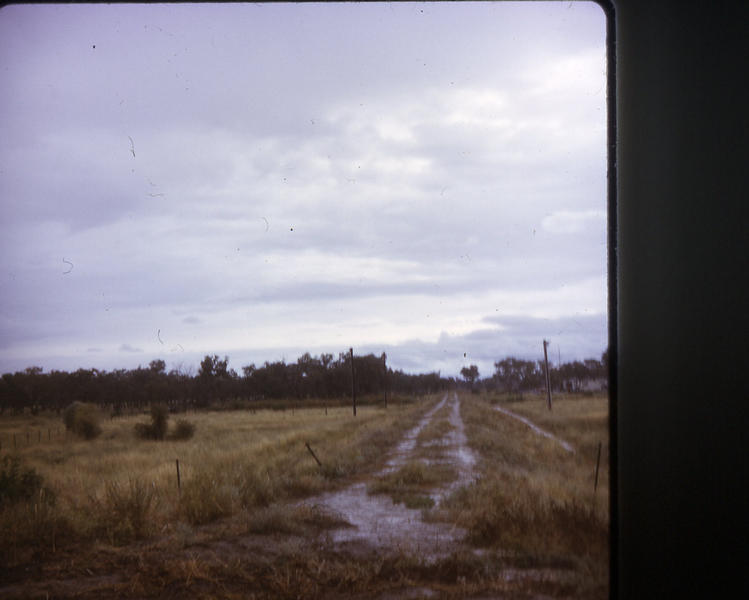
376 520
536 428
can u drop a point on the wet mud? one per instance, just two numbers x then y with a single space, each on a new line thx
378 522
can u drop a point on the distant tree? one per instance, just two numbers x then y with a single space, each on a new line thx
157 366
515 375
212 376
212 366
470 374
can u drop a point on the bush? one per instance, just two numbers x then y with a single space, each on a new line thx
157 428
184 430
159 419
19 483
82 419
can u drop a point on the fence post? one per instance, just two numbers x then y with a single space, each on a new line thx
353 380
179 483
319 464
598 463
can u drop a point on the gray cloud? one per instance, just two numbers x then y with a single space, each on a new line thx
349 163
129 348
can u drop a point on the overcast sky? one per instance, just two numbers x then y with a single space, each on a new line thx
424 179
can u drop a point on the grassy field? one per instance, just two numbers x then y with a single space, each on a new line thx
534 500
109 519
118 488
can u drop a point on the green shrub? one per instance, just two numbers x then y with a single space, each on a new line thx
183 431
159 420
20 483
82 419
156 430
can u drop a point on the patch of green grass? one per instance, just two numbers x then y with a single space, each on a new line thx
411 483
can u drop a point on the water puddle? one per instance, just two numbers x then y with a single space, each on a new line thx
377 521
535 428
405 448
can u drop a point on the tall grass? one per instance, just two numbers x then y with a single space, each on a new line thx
532 498
118 488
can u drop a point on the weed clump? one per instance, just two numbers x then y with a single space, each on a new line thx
205 499
124 511
82 419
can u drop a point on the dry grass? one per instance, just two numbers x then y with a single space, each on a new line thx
119 488
533 499
230 533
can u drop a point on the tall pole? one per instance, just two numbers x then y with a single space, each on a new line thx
385 377
353 380
548 379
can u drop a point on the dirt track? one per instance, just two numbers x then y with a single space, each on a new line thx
377 521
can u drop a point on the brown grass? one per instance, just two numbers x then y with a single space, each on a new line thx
119 488
533 499
231 534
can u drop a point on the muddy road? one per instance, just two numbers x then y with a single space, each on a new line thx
377 522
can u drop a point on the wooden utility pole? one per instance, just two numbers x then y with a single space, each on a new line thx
353 380
548 379
385 377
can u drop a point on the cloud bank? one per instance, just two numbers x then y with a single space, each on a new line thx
259 179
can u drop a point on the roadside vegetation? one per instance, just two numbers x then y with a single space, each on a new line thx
533 500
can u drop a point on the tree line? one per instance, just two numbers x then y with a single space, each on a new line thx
517 375
127 390
323 377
